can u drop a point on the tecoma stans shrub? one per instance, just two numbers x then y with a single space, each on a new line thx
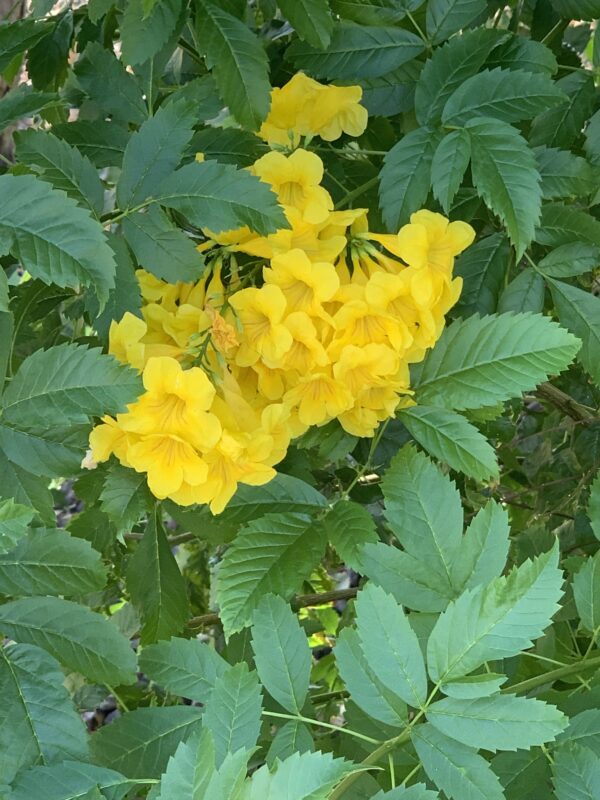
299 400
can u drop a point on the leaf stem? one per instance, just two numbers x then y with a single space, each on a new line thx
418 29
320 724
358 191
584 664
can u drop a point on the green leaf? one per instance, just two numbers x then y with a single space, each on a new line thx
47 62
586 590
357 52
311 19
23 101
190 768
593 507
125 497
506 178
449 165
156 585
483 685
383 628
584 730
418 791
579 311
306 776
482 268
66 385
272 554
227 145
569 260
281 653
592 147
293 737
564 174
452 438
423 510
349 527
406 176
27 489
576 773
126 294
44 449
16 37
219 197
145 31
507 95
449 67
484 548
99 8
101 141
4 299
374 12
38 722
524 293
233 711
51 562
561 126
184 667
482 361
62 166
162 249
60 243
69 780
14 521
140 743
77 637
500 722
114 90
393 93
238 61
504 618
366 690
455 769
445 17
154 151
519 52
577 9
561 224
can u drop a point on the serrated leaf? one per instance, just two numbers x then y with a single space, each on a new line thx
506 177
144 30
227 145
38 721
483 549
593 506
586 590
140 743
418 791
271 554
124 497
154 151
67 385
449 165
68 780
483 685
281 653
96 9
101 141
44 449
449 67
592 147
190 769
393 93
26 489
561 126
507 95
365 688
357 51
454 768
578 9
453 439
23 101
579 311
185 667
518 52
228 781
564 174
500 722
524 293
233 711
482 268
238 61
124 297
504 618
562 224
576 773
584 730
406 176
61 243
219 197
569 260
77 637
374 12
106 81
47 61
161 248
156 585
14 521
349 527
16 37
51 562
445 17
311 19
482 361
293 737
383 628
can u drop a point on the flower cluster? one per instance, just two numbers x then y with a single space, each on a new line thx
321 323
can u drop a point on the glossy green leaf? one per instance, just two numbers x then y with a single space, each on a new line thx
124 497
483 549
569 260
449 165
14 521
523 294
482 268
18 36
564 174
593 506
576 773
21 102
561 126
292 737
445 17
185 667
101 141
482 685
305 776
563 224
579 311
349 527
69 780
586 590
144 31
311 19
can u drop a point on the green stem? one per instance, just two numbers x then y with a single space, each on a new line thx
108 218
554 675
328 725
358 191
417 27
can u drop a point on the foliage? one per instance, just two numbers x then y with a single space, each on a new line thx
396 596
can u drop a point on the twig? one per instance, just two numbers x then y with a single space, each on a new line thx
179 538
565 403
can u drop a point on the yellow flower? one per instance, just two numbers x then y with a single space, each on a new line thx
175 404
124 340
360 324
337 110
223 334
261 312
288 116
200 158
305 284
319 398
108 438
169 461
296 179
431 240
306 351
362 368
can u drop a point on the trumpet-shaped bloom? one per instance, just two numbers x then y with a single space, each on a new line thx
288 117
360 324
110 438
431 240
305 284
361 368
261 312
125 340
319 398
169 461
337 110
306 351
